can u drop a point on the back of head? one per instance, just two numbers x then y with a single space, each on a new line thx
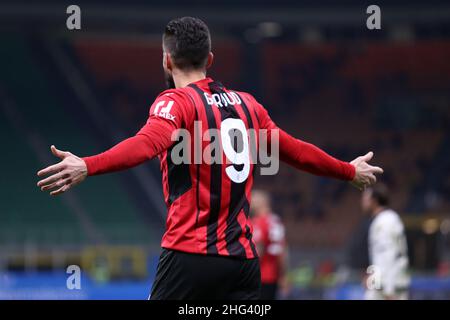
380 194
188 42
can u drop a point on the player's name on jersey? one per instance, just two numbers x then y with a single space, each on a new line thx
222 99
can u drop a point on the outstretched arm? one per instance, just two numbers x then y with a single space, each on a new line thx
69 172
149 142
166 115
153 138
307 157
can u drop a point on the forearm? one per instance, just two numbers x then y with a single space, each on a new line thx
127 154
307 157
149 142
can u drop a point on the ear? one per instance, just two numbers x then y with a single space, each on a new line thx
210 60
167 61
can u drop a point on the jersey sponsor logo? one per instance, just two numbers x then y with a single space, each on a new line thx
163 111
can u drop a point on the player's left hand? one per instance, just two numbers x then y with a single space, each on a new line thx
364 172
69 172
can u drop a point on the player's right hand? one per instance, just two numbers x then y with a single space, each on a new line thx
364 172
63 175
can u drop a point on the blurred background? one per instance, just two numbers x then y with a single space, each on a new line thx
322 74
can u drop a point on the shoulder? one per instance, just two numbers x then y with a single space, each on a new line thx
247 97
258 223
253 104
179 95
263 221
387 220
173 104
389 216
274 218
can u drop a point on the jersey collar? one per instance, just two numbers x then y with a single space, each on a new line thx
203 84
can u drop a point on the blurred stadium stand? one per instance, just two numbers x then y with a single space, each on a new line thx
328 81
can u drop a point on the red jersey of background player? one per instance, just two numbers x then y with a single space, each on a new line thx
208 204
269 237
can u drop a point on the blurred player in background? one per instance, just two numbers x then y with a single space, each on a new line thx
388 253
270 240
208 251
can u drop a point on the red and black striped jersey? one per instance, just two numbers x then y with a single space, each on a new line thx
208 203
208 193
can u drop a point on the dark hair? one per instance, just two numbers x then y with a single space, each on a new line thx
380 193
188 41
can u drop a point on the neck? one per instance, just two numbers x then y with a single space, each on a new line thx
183 79
378 210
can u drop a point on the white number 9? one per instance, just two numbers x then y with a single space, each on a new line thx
239 158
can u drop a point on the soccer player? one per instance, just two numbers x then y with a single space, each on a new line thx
208 251
270 241
388 252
